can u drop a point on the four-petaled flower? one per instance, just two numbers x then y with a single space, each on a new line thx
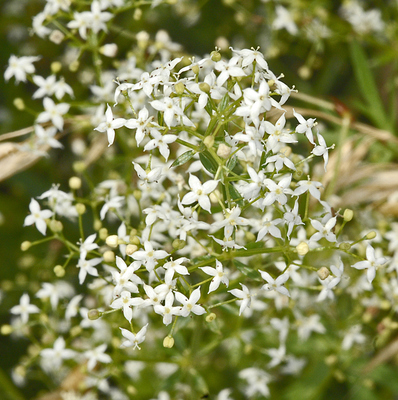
109 125
37 216
371 263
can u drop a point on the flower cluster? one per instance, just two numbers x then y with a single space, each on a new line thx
204 214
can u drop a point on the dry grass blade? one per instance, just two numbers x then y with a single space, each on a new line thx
14 160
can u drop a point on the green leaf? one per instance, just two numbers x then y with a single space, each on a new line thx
368 87
250 273
183 158
231 163
208 161
235 195
224 102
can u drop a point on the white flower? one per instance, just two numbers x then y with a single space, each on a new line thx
277 192
353 335
109 125
87 267
174 266
167 310
189 305
19 67
324 231
47 136
161 142
199 192
132 338
284 20
97 355
244 295
37 217
219 276
149 256
322 150
111 203
372 263
141 124
57 354
53 112
231 220
305 126
275 284
46 86
125 302
309 185
24 308
87 246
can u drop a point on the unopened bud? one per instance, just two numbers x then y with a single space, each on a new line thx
74 66
56 226
25 245
195 69
331 360
137 14
80 208
6 330
211 317
250 236
345 246
19 104
97 225
134 240
56 36
93 314
179 244
204 87
75 183
168 342
103 233
131 249
208 141
109 256
348 215
79 166
59 271
179 87
109 50
223 150
137 194
112 241
371 235
302 249
56 66
323 273
215 56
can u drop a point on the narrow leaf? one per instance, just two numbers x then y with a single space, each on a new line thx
183 158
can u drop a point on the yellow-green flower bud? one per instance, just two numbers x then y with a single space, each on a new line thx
204 87
79 166
6 330
80 208
112 241
323 273
56 226
215 56
103 233
97 225
371 235
345 246
74 66
19 104
168 342
179 244
302 248
131 249
195 69
208 141
56 66
137 14
93 314
109 256
137 194
25 245
75 183
348 215
59 271
211 317
179 87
